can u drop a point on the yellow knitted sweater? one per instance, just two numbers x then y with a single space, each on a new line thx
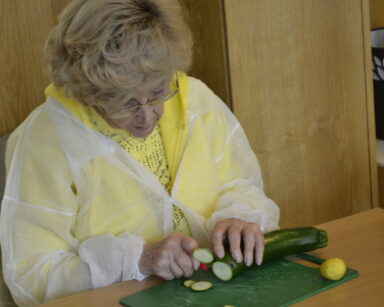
148 151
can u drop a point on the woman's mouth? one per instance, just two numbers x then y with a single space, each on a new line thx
143 128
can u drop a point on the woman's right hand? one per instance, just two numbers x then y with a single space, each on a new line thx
169 258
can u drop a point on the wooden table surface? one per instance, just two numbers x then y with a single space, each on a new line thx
357 239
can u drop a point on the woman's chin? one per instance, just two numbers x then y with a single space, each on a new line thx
141 132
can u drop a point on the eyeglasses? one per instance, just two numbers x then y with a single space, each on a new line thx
127 111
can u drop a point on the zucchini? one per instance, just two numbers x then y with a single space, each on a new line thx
201 286
278 244
203 255
188 283
285 242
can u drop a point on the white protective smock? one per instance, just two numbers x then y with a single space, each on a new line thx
78 207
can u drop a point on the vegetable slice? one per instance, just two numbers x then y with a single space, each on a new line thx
188 283
201 286
204 255
222 270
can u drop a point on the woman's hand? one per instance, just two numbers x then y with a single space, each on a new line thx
238 231
169 258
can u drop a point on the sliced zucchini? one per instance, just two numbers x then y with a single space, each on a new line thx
201 286
222 270
204 255
188 283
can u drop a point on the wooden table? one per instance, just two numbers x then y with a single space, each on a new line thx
358 239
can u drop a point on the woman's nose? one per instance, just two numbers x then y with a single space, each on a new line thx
144 113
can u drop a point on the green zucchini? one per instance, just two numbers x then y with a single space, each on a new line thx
201 286
285 242
188 283
203 255
278 244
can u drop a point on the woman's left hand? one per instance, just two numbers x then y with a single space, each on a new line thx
237 231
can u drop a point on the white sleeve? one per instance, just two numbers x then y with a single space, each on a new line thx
242 195
112 259
42 257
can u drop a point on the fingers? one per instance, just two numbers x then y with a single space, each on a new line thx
185 263
232 229
238 231
188 244
259 248
234 238
175 269
168 272
253 245
249 246
217 237
169 258
180 265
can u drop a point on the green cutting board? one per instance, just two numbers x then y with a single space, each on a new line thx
277 283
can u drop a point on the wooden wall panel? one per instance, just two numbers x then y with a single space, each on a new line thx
299 87
371 128
377 21
377 13
24 26
380 172
210 63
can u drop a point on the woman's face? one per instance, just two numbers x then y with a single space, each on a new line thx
138 115
141 122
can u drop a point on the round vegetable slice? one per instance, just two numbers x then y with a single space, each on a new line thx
201 286
188 283
204 255
222 270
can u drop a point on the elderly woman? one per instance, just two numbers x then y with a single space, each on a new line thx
129 165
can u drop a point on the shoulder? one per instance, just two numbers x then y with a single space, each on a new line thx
23 128
44 129
204 104
199 91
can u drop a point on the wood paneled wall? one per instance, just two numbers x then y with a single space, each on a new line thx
377 13
24 26
302 88
206 20
380 175
377 21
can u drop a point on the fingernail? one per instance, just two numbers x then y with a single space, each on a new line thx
238 258
247 261
259 261
196 264
220 254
